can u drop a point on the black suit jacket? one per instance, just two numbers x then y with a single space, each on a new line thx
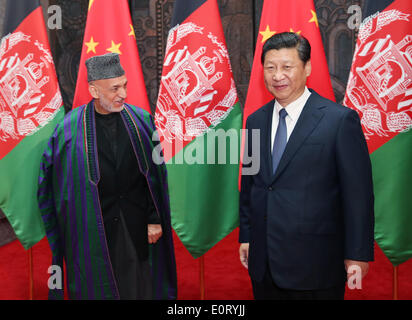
317 209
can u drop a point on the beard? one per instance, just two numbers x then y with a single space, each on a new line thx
108 105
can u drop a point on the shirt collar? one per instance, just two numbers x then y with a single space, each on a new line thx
295 108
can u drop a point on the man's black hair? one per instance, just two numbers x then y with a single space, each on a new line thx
288 40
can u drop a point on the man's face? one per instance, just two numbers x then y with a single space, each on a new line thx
285 74
109 94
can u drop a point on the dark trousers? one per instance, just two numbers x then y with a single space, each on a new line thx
268 290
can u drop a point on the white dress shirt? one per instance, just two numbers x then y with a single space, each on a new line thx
294 109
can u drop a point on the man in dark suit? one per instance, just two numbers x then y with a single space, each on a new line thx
306 218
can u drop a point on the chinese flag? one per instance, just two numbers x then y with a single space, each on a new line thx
283 16
109 29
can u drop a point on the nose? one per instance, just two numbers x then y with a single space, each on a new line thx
122 93
277 75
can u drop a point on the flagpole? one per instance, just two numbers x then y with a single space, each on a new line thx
202 277
30 256
395 283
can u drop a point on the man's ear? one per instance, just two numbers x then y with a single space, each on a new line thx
93 90
308 68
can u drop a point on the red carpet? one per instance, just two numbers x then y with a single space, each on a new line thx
225 278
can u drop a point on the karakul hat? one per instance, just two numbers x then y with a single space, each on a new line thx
106 66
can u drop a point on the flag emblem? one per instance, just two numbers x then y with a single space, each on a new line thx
190 101
29 99
380 87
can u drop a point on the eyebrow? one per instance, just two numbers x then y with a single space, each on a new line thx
119 85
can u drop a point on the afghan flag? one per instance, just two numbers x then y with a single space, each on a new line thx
380 90
297 16
108 29
199 118
30 108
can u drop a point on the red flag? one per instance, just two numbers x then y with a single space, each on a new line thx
109 29
283 16
380 90
29 91
30 108
197 106
380 85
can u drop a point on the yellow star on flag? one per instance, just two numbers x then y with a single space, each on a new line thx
314 18
267 33
115 48
91 45
90 4
298 32
131 33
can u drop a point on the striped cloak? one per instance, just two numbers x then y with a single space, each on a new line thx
70 207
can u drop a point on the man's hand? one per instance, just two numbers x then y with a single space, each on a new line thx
363 266
154 232
244 254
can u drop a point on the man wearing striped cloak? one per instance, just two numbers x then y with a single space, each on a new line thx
104 200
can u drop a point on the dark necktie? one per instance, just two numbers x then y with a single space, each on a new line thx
280 140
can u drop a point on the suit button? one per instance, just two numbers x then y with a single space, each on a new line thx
115 219
270 188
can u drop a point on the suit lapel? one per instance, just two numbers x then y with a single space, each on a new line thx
307 122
